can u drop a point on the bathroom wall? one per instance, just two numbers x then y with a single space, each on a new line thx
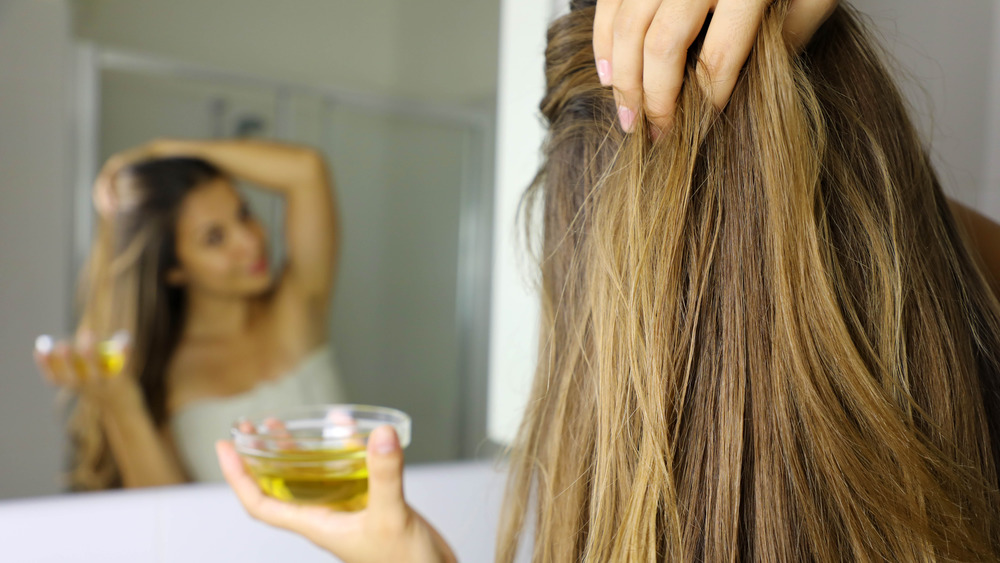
946 56
35 227
376 45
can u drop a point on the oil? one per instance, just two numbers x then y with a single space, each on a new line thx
337 479
110 360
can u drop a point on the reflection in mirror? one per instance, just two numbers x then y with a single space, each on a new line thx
326 237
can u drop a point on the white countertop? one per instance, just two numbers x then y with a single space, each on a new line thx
194 523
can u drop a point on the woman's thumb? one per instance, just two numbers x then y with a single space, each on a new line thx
385 471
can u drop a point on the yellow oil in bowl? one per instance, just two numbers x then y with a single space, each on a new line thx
314 454
337 479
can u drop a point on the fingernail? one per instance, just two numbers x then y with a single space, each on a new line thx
121 338
44 344
626 116
604 72
385 441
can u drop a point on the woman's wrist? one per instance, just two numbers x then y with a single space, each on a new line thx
121 401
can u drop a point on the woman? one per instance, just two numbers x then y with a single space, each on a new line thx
182 265
764 337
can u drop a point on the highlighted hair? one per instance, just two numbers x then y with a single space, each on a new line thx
763 335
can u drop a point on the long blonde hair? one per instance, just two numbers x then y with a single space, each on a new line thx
763 336
125 288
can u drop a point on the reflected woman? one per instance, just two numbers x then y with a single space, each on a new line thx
181 263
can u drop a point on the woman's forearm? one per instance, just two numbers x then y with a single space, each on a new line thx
985 235
140 452
277 166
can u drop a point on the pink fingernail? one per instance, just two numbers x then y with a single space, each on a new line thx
604 72
385 441
626 116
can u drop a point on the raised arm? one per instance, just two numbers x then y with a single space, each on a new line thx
299 174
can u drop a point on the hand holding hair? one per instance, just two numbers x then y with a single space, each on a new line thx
641 48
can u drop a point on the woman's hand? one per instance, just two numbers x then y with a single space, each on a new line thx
106 197
641 46
387 530
80 366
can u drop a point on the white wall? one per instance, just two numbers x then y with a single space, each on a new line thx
520 133
35 221
945 52
429 49
951 49
990 198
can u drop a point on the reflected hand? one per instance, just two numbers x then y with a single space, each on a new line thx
275 429
78 365
387 530
106 196
640 47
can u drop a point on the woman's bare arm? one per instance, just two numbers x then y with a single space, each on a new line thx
985 235
143 456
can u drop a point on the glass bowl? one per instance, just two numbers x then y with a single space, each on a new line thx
316 454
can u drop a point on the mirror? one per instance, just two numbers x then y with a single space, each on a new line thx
398 99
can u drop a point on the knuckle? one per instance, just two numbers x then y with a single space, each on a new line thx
628 25
665 44
627 91
716 62
626 83
658 111
604 20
